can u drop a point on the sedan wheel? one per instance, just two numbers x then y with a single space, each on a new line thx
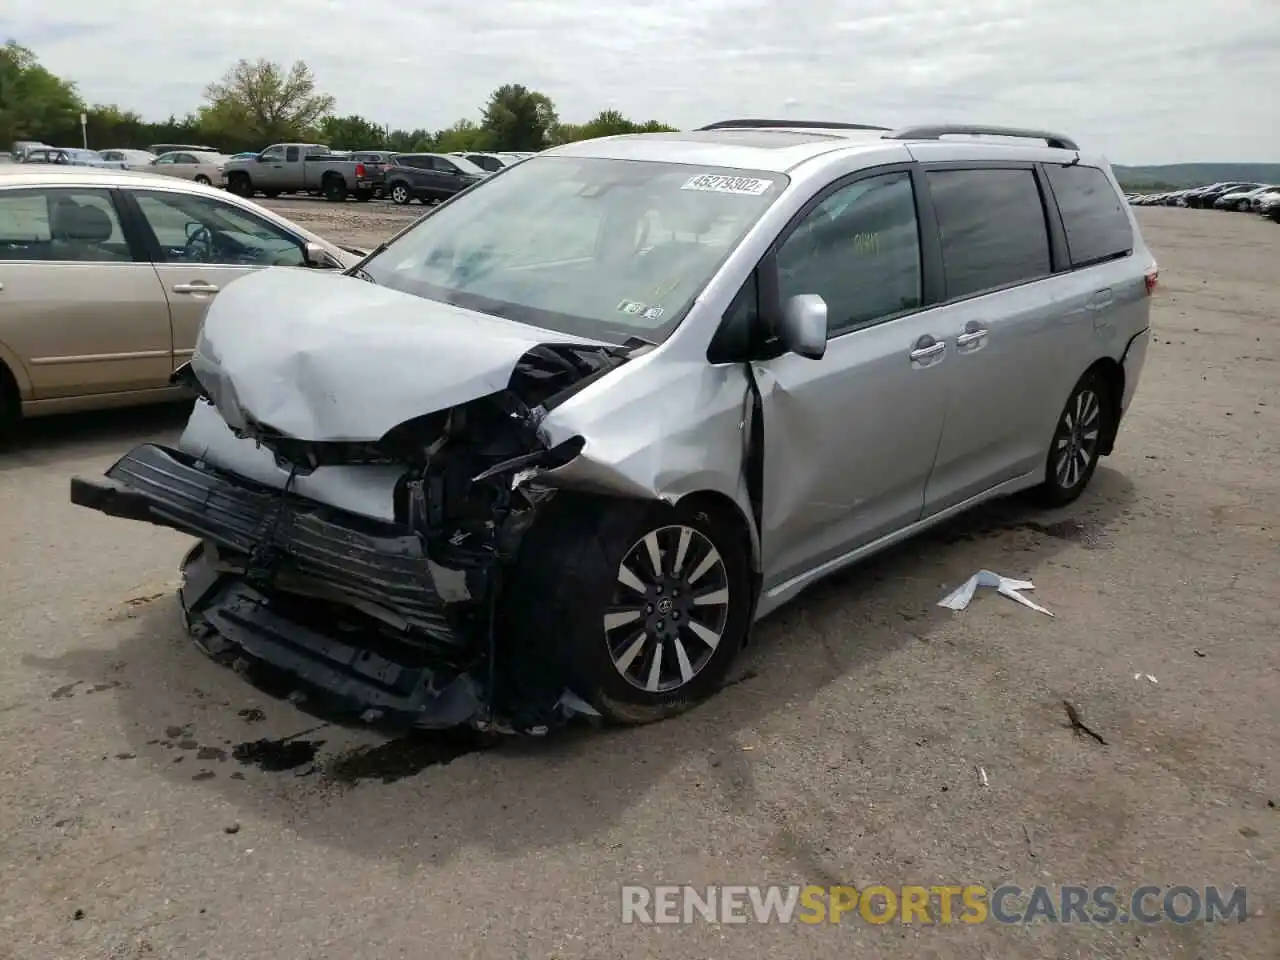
202 179
669 609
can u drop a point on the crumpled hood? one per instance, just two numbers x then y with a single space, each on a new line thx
325 357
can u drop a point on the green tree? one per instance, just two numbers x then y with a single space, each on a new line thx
518 118
260 102
34 103
463 135
351 133
607 123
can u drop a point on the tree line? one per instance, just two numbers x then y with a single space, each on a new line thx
259 102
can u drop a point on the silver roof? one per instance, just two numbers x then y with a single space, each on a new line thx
781 149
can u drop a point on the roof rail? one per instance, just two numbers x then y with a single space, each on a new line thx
788 125
937 131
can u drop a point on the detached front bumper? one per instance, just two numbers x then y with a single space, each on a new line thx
345 606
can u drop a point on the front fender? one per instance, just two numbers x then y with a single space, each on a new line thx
658 431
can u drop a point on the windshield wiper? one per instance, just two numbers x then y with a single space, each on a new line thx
360 273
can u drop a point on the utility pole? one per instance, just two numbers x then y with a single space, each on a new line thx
84 130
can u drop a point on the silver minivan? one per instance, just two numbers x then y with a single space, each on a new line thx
555 447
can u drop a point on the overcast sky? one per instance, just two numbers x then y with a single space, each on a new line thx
1147 81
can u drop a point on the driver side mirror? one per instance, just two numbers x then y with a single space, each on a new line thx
803 330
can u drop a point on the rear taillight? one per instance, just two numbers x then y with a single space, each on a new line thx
1152 278
360 170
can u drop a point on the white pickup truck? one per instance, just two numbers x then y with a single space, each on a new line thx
301 168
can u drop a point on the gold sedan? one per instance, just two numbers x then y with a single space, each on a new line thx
195 165
105 277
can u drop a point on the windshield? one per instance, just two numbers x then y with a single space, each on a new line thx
607 249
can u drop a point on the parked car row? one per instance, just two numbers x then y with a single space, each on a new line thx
1238 195
283 168
364 174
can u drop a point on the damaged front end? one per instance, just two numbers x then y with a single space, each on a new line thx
385 606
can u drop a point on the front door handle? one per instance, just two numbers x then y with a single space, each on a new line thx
927 351
197 287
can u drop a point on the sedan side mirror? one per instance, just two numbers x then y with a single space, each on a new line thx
316 256
804 326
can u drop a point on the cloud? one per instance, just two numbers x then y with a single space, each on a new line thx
1143 80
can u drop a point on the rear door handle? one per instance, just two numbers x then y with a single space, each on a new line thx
973 338
927 352
197 287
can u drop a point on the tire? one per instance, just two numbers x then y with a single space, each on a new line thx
10 404
335 189
571 605
1085 421
202 179
400 194
240 184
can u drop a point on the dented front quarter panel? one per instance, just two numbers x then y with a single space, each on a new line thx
658 428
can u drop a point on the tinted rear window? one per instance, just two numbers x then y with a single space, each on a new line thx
1093 215
993 228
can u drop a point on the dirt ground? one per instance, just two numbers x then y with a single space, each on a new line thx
150 807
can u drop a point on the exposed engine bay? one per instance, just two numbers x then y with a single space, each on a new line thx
383 618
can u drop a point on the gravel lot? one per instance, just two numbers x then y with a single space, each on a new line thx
847 753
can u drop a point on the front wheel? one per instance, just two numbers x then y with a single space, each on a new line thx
240 185
644 605
400 194
1077 440
203 180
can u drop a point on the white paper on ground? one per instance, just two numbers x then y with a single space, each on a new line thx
959 598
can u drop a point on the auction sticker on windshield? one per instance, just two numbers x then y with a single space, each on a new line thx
717 183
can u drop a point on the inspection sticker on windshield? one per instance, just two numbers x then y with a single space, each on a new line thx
715 183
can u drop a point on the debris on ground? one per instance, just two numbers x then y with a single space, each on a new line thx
982 777
1139 676
251 715
1078 725
231 828
959 598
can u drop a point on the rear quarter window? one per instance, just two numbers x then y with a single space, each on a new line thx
1093 215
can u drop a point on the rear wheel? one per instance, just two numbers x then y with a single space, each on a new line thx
1077 440
644 605
335 189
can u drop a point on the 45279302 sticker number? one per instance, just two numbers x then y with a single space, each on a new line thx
718 183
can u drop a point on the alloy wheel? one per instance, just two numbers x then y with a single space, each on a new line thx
669 608
399 194
1075 445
